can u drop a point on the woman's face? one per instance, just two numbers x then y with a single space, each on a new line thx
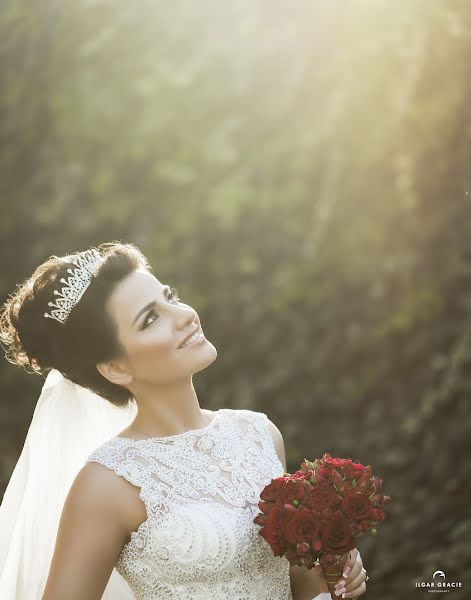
153 326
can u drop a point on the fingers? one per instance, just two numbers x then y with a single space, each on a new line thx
357 585
353 582
356 581
356 569
353 556
358 559
352 565
349 563
358 591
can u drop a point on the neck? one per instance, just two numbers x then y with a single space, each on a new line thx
165 410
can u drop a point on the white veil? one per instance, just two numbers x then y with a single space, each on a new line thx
69 422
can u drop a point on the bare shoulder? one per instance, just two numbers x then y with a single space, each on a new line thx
100 486
94 475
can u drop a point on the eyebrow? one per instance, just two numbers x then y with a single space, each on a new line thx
151 304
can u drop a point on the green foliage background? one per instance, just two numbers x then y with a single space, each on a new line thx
301 173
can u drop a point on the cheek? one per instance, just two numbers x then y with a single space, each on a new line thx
153 346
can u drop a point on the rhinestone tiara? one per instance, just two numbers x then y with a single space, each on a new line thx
87 264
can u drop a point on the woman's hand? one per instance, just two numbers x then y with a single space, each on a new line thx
353 582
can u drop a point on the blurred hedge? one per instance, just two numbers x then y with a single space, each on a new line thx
301 173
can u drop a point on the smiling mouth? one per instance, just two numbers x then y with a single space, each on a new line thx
198 336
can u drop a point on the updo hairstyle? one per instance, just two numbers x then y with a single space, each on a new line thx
88 337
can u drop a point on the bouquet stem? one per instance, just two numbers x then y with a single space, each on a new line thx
333 573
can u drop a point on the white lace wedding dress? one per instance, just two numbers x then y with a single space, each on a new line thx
201 489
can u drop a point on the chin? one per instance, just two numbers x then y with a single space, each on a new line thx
209 357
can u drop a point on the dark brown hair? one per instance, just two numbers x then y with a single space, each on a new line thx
89 335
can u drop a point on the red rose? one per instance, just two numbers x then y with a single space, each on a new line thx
260 519
337 462
273 530
377 500
294 489
272 490
336 535
336 478
355 470
316 546
326 513
266 507
302 527
364 483
322 474
356 505
376 514
321 496
356 529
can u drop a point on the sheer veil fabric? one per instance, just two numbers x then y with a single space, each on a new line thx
69 422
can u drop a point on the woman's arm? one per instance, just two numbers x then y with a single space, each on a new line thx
305 583
90 537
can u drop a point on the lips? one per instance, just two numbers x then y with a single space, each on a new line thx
189 336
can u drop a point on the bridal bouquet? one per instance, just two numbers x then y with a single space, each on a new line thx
315 515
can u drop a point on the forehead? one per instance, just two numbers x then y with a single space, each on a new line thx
132 293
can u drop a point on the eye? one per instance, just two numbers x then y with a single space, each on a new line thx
146 323
173 296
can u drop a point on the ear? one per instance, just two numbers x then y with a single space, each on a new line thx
115 371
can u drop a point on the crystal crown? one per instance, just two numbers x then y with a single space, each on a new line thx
87 264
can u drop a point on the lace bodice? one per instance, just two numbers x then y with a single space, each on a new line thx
201 489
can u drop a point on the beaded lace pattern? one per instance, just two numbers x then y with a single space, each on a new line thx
201 490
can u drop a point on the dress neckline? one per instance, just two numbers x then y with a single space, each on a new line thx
175 435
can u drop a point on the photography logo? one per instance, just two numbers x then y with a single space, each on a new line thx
438 584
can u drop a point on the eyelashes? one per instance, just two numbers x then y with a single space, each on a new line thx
174 293
173 296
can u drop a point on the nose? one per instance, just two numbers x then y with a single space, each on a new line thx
188 316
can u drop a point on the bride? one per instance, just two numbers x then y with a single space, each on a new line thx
126 488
